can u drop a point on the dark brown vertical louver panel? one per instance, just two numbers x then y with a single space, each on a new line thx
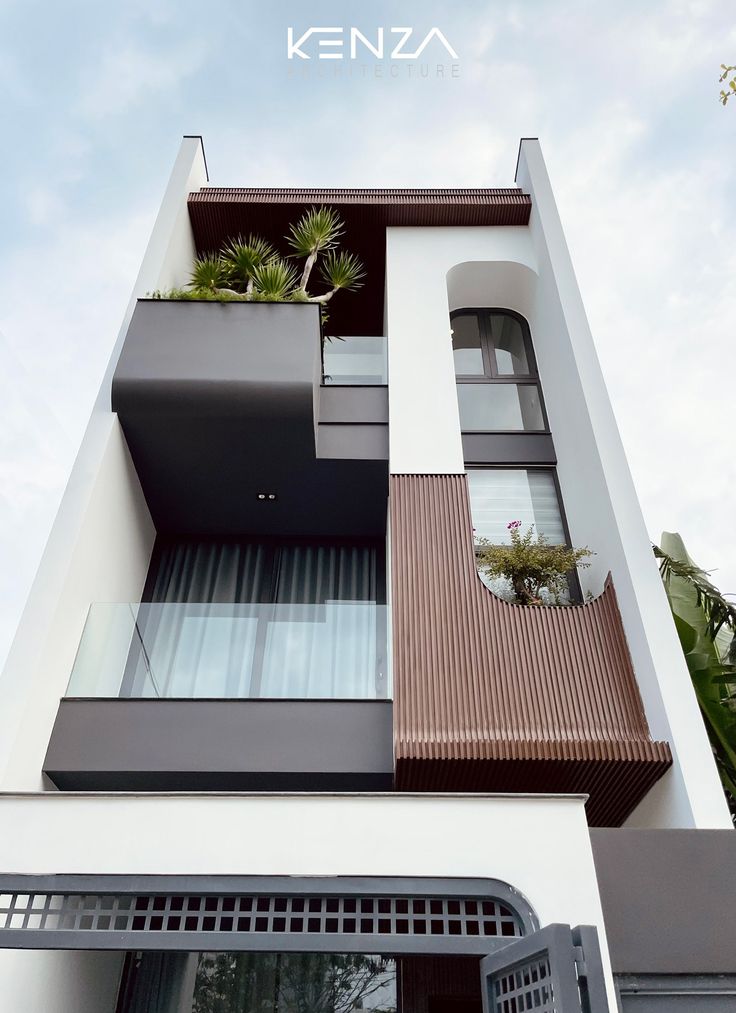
490 696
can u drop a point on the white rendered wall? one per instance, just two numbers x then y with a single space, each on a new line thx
539 845
101 540
431 271
107 561
603 511
59 981
424 434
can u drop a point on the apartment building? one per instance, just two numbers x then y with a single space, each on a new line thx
267 739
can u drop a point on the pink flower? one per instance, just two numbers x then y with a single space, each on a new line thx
513 524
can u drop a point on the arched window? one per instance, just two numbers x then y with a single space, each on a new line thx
497 382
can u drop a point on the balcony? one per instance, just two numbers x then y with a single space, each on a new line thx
222 696
355 361
491 696
220 402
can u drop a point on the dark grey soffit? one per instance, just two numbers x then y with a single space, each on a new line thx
246 745
91 886
668 898
219 402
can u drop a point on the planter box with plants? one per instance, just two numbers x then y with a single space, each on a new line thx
217 391
261 338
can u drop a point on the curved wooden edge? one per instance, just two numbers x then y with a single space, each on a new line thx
493 695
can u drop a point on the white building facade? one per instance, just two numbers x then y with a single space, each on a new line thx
263 726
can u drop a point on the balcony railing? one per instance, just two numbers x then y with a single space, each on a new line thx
334 650
359 361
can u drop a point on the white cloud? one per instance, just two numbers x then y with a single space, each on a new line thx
57 329
127 75
624 99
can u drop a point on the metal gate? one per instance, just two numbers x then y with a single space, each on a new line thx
556 969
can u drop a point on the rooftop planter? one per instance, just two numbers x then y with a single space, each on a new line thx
250 269
217 390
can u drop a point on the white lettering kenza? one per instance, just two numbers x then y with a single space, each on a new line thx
332 47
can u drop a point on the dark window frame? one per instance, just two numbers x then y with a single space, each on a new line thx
490 374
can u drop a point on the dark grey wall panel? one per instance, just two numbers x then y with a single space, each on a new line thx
668 898
228 358
353 404
218 403
285 745
351 442
508 448
677 993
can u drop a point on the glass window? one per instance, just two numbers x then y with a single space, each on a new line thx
466 345
255 982
500 495
234 619
492 348
294 983
488 407
509 347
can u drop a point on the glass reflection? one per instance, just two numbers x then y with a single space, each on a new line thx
507 339
294 983
466 345
499 407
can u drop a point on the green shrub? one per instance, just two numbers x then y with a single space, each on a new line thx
531 565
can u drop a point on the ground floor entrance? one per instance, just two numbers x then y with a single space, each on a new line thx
212 982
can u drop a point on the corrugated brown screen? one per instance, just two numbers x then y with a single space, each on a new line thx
491 696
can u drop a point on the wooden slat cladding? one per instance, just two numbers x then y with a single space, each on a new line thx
217 213
459 206
491 696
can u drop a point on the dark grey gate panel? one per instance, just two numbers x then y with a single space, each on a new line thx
554 970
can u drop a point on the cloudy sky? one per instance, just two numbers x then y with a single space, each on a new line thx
96 96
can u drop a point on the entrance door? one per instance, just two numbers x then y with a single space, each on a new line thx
554 970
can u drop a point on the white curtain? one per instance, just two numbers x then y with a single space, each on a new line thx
261 619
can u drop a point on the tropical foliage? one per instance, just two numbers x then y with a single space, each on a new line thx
706 625
249 268
536 570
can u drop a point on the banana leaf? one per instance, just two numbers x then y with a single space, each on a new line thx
705 624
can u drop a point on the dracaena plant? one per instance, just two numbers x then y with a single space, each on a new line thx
273 281
250 269
316 235
210 275
531 565
243 258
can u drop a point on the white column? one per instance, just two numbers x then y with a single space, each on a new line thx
603 511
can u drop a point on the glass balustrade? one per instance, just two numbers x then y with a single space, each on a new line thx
357 361
332 650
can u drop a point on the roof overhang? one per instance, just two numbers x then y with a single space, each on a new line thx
220 213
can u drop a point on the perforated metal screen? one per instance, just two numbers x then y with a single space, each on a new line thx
258 915
557 969
528 987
